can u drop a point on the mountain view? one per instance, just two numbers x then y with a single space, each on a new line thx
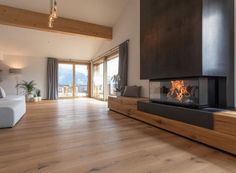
66 77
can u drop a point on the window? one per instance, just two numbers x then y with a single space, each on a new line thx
65 83
81 80
112 70
98 81
72 80
103 71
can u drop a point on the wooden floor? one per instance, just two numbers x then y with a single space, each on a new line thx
82 136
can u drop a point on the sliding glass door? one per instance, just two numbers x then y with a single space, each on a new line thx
112 70
81 80
72 80
98 88
104 71
65 80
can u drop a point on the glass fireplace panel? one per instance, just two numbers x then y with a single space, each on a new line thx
191 92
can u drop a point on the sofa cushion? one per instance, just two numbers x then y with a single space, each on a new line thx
10 98
12 109
132 91
2 93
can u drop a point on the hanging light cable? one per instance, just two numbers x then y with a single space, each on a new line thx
53 13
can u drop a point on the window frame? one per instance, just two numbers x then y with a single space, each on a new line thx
74 63
103 60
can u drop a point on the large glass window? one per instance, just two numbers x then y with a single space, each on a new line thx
98 89
112 70
72 80
81 80
65 83
104 71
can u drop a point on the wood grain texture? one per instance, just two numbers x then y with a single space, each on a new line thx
82 136
222 137
225 122
33 20
126 100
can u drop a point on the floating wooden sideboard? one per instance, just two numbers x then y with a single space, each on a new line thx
223 136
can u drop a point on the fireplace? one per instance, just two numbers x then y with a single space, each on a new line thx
178 45
199 92
190 66
191 100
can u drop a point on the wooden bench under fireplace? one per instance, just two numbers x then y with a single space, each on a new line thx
221 136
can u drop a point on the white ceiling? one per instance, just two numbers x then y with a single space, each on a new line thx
28 42
103 12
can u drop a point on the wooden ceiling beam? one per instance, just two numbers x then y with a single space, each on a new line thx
33 20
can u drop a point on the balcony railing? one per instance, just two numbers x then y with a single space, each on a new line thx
67 91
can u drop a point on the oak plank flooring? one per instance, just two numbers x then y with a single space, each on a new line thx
83 136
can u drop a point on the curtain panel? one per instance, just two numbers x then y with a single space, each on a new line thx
123 64
52 79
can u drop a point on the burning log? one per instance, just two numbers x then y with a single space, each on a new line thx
178 90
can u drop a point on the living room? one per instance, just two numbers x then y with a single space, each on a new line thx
117 86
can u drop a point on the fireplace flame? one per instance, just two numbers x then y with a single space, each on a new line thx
178 90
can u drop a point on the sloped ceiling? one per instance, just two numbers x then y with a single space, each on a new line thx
20 41
27 42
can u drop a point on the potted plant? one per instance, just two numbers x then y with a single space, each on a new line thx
116 80
36 98
38 95
28 88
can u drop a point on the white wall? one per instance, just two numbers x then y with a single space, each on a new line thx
128 27
33 68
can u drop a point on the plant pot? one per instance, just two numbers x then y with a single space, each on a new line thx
36 99
39 99
29 97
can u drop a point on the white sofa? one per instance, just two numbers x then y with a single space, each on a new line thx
12 109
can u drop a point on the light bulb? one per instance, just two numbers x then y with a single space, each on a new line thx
54 12
50 22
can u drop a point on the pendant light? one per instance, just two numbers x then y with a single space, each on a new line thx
53 13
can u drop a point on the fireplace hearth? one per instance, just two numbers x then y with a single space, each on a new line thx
190 100
198 117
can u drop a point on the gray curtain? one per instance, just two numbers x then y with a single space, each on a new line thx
123 64
52 79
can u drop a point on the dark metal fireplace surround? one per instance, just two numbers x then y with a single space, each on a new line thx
187 54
